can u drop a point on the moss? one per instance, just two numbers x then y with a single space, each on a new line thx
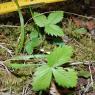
83 44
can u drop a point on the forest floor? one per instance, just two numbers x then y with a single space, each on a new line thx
79 33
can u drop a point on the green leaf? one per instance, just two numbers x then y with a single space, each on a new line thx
19 66
54 30
55 17
29 47
66 78
42 78
33 34
22 34
85 74
81 30
60 55
39 19
36 42
31 44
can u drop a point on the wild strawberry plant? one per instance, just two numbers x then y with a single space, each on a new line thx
52 70
65 77
50 23
50 27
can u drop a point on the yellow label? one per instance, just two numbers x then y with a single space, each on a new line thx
11 6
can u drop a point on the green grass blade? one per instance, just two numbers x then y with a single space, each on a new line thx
21 39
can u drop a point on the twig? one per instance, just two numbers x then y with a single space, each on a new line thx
84 89
53 89
1 64
26 90
9 26
89 84
87 17
70 13
92 82
84 63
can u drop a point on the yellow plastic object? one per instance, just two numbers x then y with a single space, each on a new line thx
11 6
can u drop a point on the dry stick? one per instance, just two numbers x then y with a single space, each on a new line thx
53 89
91 77
25 89
90 84
70 13
9 26
84 63
87 17
1 63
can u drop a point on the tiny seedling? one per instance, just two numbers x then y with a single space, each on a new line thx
50 23
65 77
34 40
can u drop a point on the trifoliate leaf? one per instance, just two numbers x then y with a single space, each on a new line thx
39 19
66 78
42 78
55 17
54 30
60 56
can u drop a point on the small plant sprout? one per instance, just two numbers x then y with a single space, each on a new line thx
50 23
